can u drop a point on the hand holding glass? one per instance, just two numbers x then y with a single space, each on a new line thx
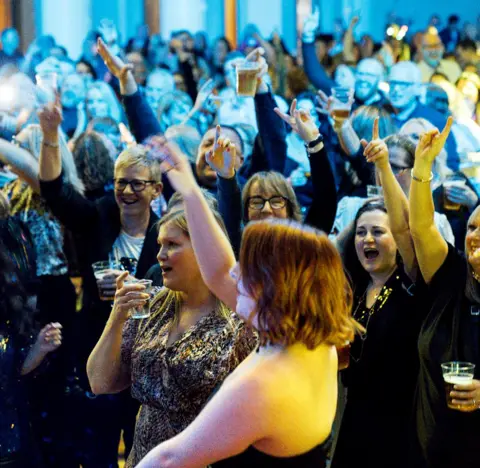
141 312
456 373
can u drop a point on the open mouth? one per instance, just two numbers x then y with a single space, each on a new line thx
127 201
165 269
370 253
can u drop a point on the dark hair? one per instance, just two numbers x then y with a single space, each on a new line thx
467 44
404 142
93 161
226 42
17 277
453 19
359 278
89 66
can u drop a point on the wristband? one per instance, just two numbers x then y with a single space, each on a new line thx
315 142
423 181
49 144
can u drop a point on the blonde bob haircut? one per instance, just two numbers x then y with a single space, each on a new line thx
296 277
138 156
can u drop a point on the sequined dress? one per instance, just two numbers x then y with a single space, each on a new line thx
173 383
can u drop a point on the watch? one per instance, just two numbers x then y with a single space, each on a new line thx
315 142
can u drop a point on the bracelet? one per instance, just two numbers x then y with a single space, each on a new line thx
424 181
49 144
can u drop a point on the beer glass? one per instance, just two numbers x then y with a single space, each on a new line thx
342 102
456 373
141 312
452 181
246 78
102 269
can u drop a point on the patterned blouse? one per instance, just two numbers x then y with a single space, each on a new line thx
173 383
46 230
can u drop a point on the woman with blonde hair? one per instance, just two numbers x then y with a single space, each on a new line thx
277 408
176 358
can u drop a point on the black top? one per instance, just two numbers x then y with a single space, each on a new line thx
315 458
447 438
381 378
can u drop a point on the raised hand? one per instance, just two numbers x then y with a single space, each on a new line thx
223 156
311 24
353 22
203 96
128 296
49 338
175 165
431 143
50 118
257 56
461 194
116 66
301 122
376 151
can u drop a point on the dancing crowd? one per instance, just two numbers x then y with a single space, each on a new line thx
306 254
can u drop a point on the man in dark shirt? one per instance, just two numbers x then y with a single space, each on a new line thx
10 44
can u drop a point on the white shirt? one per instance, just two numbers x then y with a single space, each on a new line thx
128 247
449 68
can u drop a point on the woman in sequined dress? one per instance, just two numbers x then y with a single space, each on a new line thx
383 368
21 349
176 359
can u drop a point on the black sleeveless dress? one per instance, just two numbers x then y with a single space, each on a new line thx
315 458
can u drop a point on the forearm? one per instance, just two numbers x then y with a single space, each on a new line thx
348 54
21 161
50 163
348 139
214 253
421 205
314 70
128 85
106 373
34 358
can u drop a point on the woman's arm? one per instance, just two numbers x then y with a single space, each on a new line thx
395 200
22 163
48 340
348 52
430 247
105 369
213 251
223 429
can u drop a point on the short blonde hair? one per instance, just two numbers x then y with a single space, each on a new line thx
137 156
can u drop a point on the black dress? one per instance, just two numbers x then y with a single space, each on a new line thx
315 458
381 378
447 438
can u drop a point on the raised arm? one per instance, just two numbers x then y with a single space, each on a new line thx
396 201
313 68
324 206
213 251
22 163
143 121
430 247
106 371
348 41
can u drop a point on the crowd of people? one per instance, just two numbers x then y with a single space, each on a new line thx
309 254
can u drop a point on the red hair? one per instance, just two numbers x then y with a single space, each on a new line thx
296 277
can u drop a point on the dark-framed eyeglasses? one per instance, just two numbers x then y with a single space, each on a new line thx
276 203
136 185
397 170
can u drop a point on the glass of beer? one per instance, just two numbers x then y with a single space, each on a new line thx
344 356
456 373
102 269
342 102
246 78
450 182
142 312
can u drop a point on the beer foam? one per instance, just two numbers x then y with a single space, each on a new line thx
458 379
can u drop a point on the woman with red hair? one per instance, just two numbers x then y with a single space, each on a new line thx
277 408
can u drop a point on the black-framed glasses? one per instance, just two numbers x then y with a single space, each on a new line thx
276 203
397 170
136 185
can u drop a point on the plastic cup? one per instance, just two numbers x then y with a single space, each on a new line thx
457 373
142 312
246 78
342 102
48 83
374 191
100 270
450 182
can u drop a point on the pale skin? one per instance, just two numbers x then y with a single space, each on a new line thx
264 386
49 339
430 247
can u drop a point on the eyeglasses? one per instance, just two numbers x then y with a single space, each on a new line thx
257 203
398 169
135 184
